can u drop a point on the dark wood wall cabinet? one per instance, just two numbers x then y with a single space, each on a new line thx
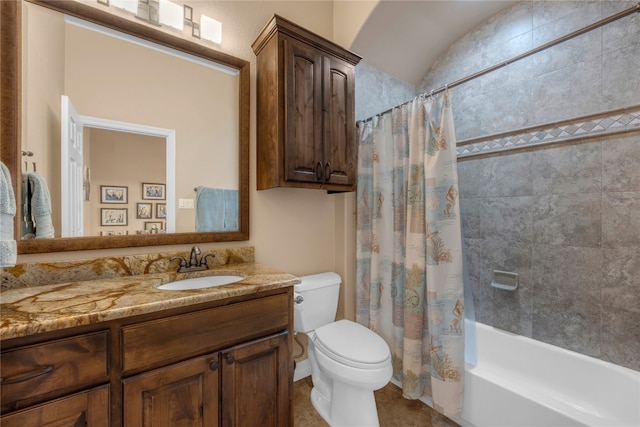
220 364
306 110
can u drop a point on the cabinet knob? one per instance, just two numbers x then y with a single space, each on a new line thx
327 171
319 171
230 359
213 365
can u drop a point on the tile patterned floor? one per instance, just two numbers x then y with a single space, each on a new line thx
393 410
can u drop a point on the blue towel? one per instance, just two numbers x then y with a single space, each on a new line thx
8 248
231 210
36 202
216 209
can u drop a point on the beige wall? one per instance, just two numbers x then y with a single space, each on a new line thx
42 101
295 230
110 167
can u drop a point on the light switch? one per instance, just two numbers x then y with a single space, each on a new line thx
186 204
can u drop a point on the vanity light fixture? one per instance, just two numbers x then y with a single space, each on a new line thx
130 6
165 12
210 29
188 21
171 14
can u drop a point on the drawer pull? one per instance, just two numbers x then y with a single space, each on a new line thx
230 359
27 377
213 365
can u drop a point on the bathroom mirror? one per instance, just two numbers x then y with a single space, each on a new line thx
15 101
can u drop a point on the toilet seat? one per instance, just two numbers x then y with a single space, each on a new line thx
352 344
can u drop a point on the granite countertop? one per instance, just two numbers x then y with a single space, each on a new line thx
32 310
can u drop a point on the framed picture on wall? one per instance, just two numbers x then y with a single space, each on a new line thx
153 191
144 210
161 210
114 194
153 225
112 216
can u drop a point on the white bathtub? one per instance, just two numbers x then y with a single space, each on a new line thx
520 382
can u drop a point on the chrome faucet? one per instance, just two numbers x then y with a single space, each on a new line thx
193 264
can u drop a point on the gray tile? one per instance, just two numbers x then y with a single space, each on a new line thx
621 338
483 304
622 33
508 219
572 91
567 272
621 267
621 219
507 108
472 251
568 219
507 175
620 163
568 169
505 256
610 7
468 117
511 74
571 323
470 217
513 311
507 24
557 18
469 172
621 79
389 91
587 46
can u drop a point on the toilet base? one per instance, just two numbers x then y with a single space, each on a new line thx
348 407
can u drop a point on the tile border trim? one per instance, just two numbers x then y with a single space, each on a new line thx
598 125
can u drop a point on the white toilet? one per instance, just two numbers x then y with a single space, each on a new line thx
348 361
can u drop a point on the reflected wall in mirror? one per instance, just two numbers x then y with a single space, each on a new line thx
208 109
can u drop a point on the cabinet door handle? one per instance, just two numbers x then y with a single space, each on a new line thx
230 359
213 365
327 171
319 171
26 377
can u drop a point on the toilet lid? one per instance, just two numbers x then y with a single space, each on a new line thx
351 342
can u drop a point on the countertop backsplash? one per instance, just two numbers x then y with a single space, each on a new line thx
48 273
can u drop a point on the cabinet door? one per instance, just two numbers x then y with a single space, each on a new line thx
184 394
303 112
339 152
89 408
255 384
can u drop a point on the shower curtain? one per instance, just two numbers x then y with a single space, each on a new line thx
409 247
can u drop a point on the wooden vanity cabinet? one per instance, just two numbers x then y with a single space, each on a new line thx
88 408
306 110
227 363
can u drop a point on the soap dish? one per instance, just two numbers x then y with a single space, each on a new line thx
505 280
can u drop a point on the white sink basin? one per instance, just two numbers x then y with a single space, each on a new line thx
200 283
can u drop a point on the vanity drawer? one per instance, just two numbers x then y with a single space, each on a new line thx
62 365
171 339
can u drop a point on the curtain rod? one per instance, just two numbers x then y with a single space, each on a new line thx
540 48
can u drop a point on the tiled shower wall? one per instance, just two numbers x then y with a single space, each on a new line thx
564 216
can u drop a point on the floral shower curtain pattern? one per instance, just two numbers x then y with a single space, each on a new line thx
409 247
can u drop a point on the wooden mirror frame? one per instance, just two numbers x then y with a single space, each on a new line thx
10 110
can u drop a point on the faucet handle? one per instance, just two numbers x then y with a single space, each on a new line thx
183 262
203 260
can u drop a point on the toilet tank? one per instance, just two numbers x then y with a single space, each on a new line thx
320 294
